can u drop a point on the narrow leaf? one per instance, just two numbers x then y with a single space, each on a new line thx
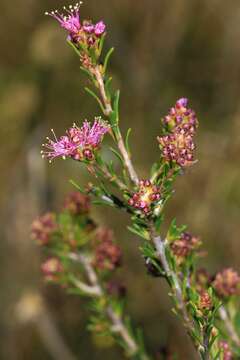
106 60
127 140
89 91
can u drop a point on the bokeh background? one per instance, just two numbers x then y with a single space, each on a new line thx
164 50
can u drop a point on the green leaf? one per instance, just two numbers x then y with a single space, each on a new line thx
92 93
73 47
87 72
106 60
107 87
139 231
77 186
114 118
127 140
118 155
101 43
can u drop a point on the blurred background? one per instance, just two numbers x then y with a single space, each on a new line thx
164 50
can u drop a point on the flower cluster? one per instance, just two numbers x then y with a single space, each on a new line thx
226 282
85 33
107 254
43 227
183 246
78 143
145 197
178 146
205 301
225 350
52 269
77 203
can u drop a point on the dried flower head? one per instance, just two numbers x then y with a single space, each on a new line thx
177 145
108 255
52 269
43 227
225 350
152 269
85 33
205 301
116 289
77 203
202 279
185 245
226 282
146 196
78 143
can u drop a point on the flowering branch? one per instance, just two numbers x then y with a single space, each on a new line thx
72 237
96 289
198 299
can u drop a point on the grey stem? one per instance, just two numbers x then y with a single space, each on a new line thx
120 142
117 322
229 326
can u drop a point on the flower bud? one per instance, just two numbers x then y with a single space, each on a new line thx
52 269
226 283
77 203
43 228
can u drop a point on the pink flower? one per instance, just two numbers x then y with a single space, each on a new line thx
100 28
52 269
62 147
85 32
79 143
92 136
70 21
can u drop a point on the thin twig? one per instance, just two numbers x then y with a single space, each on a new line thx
229 326
160 247
108 111
117 322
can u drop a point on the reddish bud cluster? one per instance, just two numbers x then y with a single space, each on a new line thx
145 197
227 282
107 254
77 203
226 351
205 301
43 227
51 269
178 146
185 245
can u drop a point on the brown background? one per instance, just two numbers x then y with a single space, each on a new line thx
164 50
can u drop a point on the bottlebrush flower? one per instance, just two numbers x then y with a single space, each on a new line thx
52 269
145 197
70 21
86 32
43 227
226 283
78 143
183 247
77 203
178 146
